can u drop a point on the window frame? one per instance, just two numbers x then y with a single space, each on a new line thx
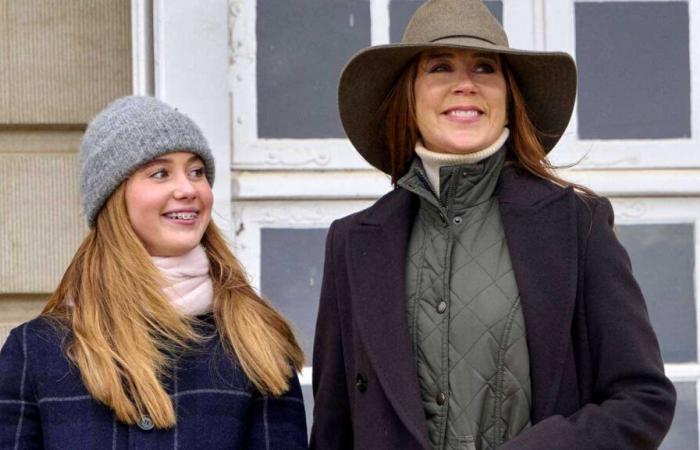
592 154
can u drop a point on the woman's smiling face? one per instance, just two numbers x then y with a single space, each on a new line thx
169 203
460 100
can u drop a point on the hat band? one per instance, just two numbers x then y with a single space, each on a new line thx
462 36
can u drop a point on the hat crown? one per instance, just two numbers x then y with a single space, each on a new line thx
441 19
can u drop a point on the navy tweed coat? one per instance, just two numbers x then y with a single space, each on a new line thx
43 403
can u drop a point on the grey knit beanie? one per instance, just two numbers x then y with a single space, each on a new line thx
127 134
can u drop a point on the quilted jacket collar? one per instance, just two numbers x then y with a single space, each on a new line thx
461 186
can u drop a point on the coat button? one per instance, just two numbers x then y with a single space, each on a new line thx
441 398
441 307
145 423
457 220
361 382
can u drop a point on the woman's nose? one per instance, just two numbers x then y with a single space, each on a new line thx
464 84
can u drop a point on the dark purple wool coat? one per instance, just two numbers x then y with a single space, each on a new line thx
596 370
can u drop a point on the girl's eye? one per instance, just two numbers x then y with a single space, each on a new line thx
198 172
159 174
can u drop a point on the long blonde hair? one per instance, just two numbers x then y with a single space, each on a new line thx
123 326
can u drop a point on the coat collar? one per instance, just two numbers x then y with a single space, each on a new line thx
540 227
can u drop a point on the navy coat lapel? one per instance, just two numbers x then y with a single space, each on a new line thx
540 227
377 250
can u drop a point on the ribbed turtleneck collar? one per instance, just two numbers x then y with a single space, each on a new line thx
434 161
462 186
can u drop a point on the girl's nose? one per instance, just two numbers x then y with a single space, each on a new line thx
184 187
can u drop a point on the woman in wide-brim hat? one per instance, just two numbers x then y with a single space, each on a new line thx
485 302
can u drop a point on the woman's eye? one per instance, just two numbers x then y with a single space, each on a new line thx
440 68
485 68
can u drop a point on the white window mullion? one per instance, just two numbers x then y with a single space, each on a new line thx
243 81
191 61
380 21
142 47
694 24
560 35
518 22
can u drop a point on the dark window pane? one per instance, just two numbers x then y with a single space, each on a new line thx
663 262
302 47
400 12
684 430
292 266
634 70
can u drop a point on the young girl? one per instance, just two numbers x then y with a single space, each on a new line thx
153 338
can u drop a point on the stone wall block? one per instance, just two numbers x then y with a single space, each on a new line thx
62 61
40 222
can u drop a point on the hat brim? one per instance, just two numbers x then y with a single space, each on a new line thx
547 81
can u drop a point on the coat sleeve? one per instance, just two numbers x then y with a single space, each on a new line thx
332 426
632 400
278 423
20 426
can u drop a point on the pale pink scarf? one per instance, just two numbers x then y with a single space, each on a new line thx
189 286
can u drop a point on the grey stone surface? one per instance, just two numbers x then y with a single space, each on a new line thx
634 70
663 262
40 222
302 47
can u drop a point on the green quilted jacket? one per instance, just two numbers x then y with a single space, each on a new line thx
464 311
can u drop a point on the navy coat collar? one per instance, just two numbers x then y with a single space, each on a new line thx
540 226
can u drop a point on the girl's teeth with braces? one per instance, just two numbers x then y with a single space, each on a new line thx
182 216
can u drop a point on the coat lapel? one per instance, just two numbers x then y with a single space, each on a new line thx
377 250
540 228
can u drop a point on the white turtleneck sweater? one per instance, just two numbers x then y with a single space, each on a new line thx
433 161
189 288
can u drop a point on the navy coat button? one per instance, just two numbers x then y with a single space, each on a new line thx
457 220
361 382
145 423
441 398
441 307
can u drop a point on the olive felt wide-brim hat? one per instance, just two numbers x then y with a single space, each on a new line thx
547 80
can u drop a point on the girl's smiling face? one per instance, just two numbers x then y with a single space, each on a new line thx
169 202
460 100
